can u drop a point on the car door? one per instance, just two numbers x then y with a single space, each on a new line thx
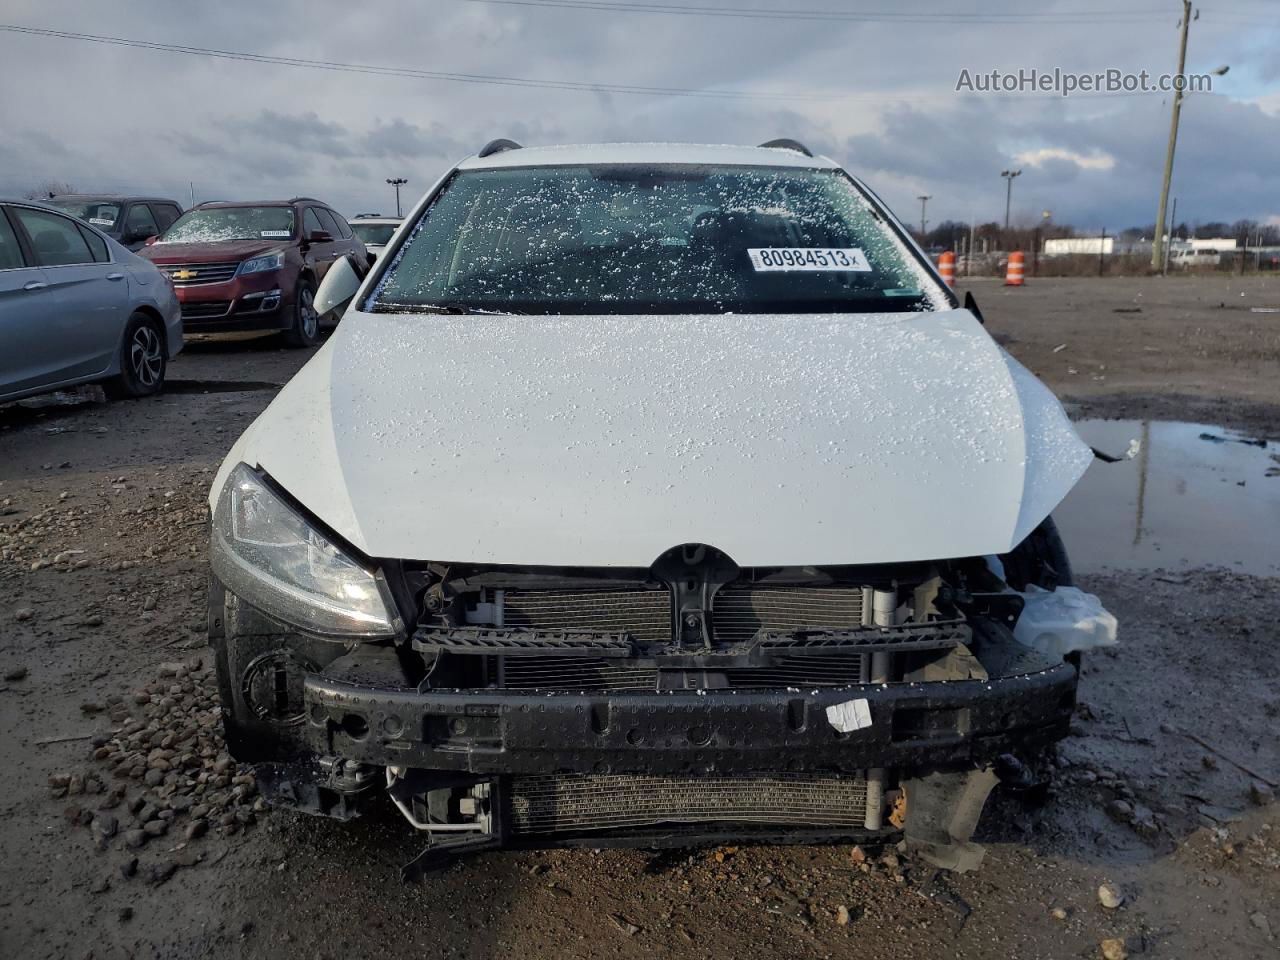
81 336
139 224
27 306
321 254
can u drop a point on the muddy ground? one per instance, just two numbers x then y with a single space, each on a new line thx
102 570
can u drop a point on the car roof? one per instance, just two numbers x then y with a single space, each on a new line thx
224 204
111 197
643 153
355 222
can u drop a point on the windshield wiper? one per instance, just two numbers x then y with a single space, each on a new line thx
455 309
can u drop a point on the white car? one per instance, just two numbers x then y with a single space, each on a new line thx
658 494
375 232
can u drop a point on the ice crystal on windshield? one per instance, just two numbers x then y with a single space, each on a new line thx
666 238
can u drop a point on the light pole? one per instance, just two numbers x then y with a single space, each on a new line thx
924 200
1008 197
396 182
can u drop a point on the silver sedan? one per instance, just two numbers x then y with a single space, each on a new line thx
76 307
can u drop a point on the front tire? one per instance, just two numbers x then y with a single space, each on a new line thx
305 331
143 360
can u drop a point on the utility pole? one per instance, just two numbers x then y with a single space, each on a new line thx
396 182
1008 197
924 200
1173 225
192 185
1157 245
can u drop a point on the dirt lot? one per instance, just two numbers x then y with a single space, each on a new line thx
102 564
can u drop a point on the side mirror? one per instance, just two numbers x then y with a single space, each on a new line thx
320 236
150 240
337 288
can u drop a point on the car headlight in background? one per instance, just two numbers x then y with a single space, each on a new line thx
265 552
268 261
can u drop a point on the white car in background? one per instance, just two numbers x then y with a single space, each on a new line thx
375 232
655 494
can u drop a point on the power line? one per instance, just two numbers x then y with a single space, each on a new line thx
572 85
376 70
763 13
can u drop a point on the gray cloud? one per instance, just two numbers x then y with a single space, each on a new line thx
881 100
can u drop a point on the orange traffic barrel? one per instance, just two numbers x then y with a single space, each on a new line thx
947 267
1013 275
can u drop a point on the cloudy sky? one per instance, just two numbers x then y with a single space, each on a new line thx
876 93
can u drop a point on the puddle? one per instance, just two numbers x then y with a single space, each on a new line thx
1195 495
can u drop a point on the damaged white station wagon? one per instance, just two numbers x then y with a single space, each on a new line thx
649 494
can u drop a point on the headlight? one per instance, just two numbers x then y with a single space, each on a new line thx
265 552
270 261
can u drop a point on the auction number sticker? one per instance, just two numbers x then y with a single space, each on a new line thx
766 259
101 221
275 233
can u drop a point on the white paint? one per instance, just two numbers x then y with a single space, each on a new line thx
604 441
646 153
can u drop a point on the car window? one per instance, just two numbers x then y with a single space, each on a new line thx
139 222
666 238
311 223
103 214
56 241
165 214
378 234
219 224
334 223
97 246
10 252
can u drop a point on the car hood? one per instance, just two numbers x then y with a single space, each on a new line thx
208 252
604 441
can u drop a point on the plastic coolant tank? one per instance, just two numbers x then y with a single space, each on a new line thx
1061 621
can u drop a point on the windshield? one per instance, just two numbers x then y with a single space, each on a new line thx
376 234
103 214
655 239
231 223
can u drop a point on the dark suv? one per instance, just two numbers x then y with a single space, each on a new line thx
130 221
255 266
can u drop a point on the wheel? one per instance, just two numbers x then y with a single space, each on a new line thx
143 360
305 331
1040 559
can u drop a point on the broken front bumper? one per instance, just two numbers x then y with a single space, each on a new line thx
327 726
949 725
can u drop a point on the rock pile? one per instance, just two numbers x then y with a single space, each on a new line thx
161 776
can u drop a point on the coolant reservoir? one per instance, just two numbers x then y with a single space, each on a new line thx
1062 621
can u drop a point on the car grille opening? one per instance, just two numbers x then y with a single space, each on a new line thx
834 671
619 675
566 803
205 309
194 274
572 673
643 614
741 610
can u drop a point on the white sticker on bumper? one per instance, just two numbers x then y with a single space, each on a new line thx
850 715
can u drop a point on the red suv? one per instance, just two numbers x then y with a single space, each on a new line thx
255 266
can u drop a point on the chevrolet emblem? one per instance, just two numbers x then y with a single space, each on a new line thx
183 274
